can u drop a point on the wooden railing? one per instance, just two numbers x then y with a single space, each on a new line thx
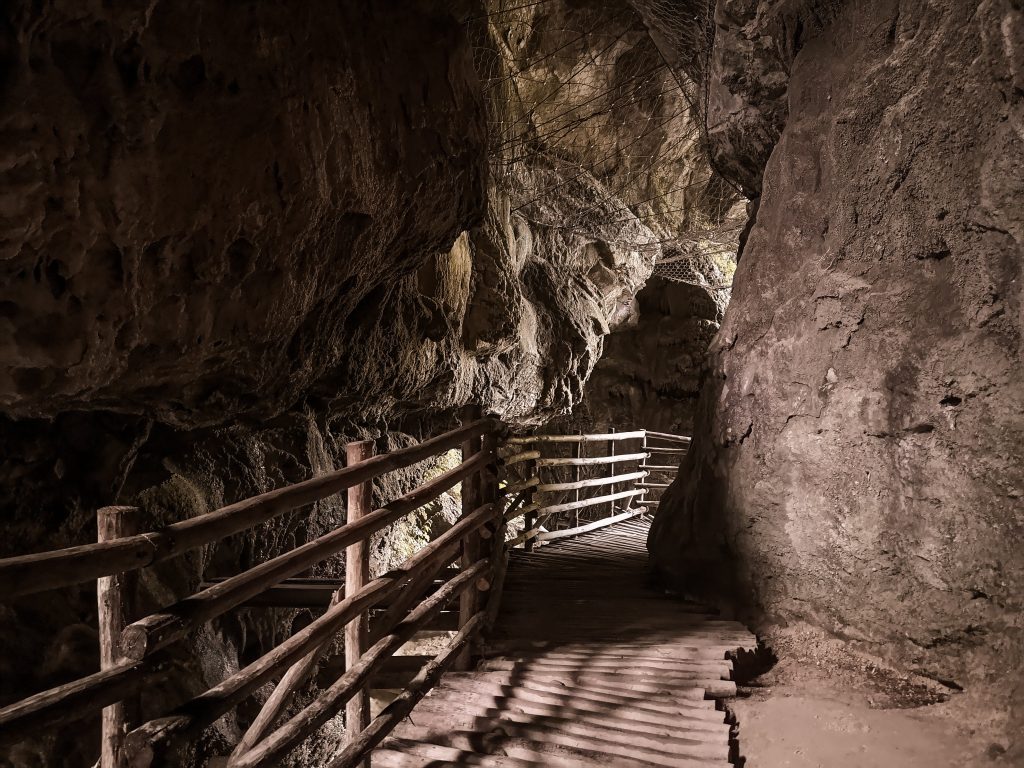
589 489
599 490
406 600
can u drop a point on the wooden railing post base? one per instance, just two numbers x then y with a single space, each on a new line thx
357 574
469 602
113 603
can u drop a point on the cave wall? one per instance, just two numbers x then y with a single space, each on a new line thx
649 374
859 460
196 203
231 241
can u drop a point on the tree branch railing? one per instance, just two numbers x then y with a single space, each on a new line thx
449 576
551 474
407 600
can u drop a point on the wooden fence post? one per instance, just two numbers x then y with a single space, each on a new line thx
642 465
113 602
612 469
577 473
530 520
471 499
491 494
489 491
357 574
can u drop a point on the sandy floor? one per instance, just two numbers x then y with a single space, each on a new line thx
791 728
822 707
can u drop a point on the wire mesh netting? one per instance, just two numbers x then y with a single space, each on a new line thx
605 103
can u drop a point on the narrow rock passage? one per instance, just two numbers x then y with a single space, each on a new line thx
588 665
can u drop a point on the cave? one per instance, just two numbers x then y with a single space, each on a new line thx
312 263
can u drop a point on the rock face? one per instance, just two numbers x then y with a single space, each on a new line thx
208 220
195 204
648 375
860 456
232 240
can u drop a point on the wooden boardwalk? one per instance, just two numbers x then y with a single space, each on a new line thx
588 666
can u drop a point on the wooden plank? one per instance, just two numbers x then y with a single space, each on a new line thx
669 436
433 755
560 462
398 709
77 699
517 458
615 743
413 593
522 485
276 745
27 574
526 535
708 741
581 438
553 535
305 593
527 510
556 508
113 594
146 743
282 695
461 746
175 622
581 700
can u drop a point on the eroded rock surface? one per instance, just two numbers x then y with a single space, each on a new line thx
860 437
196 203
232 240
649 374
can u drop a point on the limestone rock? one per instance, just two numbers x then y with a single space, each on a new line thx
860 439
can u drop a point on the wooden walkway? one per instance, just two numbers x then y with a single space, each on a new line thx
588 666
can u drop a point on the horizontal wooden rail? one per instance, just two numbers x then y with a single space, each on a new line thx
303 593
556 508
660 467
148 740
76 699
653 485
518 458
28 574
525 536
559 462
552 535
400 708
591 483
292 733
415 591
533 507
668 436
576 438
520 499
514 488
656 449
160 629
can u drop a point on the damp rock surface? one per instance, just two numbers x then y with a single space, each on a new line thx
860 440
649 374
199 205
